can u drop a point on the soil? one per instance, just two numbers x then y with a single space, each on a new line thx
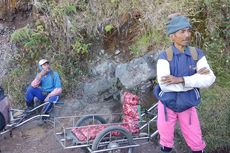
32 138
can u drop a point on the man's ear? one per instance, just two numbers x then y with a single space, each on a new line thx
171 37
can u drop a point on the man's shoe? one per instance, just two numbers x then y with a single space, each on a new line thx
37 102
166 149
201 151
44 118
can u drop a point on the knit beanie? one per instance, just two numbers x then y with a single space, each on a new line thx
177 23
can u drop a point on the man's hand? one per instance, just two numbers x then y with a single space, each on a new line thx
172 79
55 92
42 73
36 82
203 70
47 98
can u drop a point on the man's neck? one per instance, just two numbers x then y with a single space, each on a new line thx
180 47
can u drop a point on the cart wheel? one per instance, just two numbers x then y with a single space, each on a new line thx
111 138
90 120
2 122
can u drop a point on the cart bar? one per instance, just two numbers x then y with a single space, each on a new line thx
73 146
155 133
35 108
140 138
12 126
17 110
103 150
37 116
154 118
151 108
4 132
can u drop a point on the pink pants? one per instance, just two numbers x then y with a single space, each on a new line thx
189 124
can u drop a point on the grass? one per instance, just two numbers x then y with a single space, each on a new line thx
215 117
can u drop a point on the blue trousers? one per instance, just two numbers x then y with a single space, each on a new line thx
32 92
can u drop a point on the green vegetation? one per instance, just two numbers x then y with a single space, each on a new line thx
54 36
153 38
141 44
79 47
108 28
63 32
32 42
215 111
16 82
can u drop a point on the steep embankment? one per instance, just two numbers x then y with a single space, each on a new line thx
7 50
79 35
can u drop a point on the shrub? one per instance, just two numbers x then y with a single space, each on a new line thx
32 43
79 47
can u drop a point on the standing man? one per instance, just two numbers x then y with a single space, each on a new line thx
181 71
46 87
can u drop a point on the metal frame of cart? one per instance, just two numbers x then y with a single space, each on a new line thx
112 138
19 117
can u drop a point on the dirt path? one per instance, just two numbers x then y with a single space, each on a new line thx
32 138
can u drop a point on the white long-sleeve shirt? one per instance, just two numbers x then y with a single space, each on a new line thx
194 81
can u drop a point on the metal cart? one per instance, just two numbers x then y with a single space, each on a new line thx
105 133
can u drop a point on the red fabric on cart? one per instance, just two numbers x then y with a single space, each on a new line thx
131 111
131 114
131 125
130 98
91 132
130 120
80 136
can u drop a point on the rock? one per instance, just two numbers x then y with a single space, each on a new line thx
105 69
137 71
146 94
99 86
102 51
103 87
117 52
69 108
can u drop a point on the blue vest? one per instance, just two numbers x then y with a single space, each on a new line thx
182 64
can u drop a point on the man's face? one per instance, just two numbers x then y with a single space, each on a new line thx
182 37
46 66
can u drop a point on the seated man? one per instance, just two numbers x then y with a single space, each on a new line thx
46 87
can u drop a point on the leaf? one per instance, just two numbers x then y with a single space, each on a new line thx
108 28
